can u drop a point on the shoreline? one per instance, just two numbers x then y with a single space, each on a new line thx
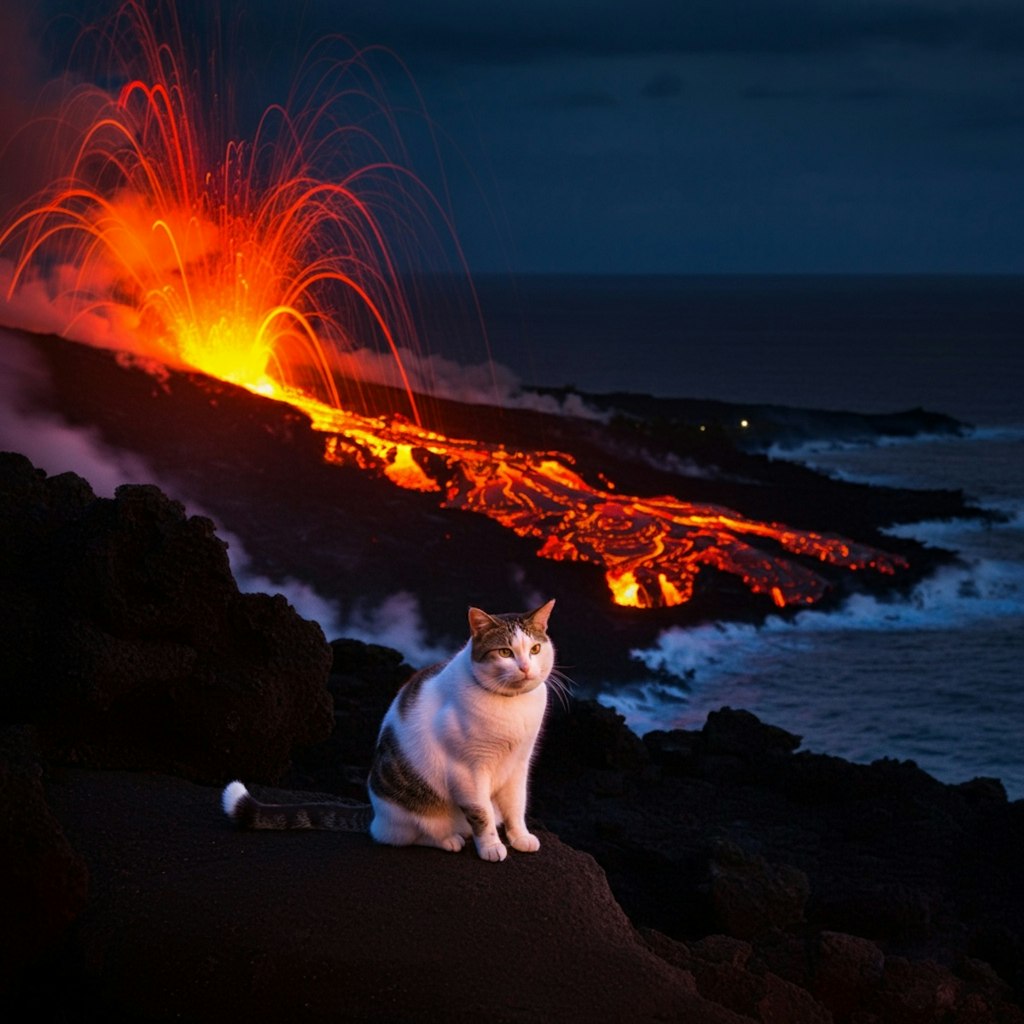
718 876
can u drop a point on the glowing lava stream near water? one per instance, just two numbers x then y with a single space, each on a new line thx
253 268
651 548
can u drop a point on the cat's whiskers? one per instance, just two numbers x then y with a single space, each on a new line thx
561 686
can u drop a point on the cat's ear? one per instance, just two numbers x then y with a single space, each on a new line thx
540 616
479 620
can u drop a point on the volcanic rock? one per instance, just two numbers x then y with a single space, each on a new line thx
190 919
130 644
43 880
749 896
848 970
726 972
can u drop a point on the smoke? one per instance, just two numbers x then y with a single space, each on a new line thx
476 384
397 622
52 304
45 438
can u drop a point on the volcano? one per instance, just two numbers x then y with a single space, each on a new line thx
254 284
342 526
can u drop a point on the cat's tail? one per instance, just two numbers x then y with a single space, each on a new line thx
247 812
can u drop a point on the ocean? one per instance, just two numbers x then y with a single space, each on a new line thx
937 678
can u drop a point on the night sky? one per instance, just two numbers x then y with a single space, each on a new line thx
692 136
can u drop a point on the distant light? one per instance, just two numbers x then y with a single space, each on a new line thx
703 428
744 424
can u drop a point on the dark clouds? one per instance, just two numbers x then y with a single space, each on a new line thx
532 30
697 136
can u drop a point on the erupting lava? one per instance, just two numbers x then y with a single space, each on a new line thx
241 260
232 257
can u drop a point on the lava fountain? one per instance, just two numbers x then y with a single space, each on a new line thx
244 260
229 256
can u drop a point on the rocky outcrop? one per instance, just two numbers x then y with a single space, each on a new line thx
128 644
792 886
758 867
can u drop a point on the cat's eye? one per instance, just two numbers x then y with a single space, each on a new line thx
505 652
535 649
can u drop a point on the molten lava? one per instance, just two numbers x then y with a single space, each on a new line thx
651 548
242 261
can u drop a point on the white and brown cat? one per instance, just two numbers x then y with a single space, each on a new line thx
454 750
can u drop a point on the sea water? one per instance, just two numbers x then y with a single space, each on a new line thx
937 678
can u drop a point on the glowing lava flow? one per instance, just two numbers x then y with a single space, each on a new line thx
241 261
651 548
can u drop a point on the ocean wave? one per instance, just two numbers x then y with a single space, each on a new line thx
970 591
934 678
985 464
807 451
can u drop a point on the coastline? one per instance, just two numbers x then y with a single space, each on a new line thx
740 878
734 879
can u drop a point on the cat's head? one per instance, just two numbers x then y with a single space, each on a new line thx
511 653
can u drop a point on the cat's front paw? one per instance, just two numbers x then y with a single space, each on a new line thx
524 842
492 851
453 843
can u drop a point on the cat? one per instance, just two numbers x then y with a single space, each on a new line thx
454 749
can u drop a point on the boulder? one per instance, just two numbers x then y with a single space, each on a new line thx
750 896
130 643
726 971
848 970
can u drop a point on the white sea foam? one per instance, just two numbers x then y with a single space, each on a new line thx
984 461
808 451
934 677
954 596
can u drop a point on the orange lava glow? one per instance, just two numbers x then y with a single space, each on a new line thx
651 548
236 259
230 256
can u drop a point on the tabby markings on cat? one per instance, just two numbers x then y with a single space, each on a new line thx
453 753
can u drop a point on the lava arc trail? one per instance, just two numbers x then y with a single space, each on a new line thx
246 261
